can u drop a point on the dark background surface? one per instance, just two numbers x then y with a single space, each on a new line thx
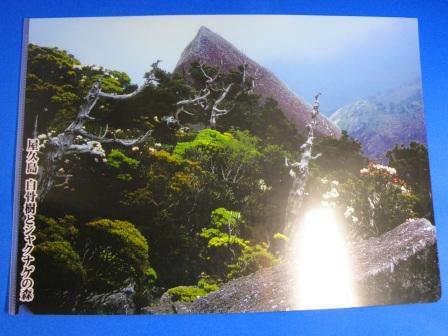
416 319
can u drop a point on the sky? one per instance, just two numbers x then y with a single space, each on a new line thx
345 58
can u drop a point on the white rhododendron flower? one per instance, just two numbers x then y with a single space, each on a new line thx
390 170
96 148
348 212
135 148
263 186
333 193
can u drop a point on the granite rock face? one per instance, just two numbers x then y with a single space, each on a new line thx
212 49
167 306
120 301
397 267
400 266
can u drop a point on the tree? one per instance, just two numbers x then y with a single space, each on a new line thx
74 261
341 157
300 171
231 165
376 202
75 139
113 252
56 83
230 255
226 155
252 259
411 163
216 90
168 207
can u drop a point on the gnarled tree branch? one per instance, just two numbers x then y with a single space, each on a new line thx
76 140
211 102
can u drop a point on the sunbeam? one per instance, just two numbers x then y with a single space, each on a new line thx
323 271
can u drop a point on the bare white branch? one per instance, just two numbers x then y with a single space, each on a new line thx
206 100
115 96
90 147
123 142
210 79
180 110
300 172
129 142
195 100
65 182
216 112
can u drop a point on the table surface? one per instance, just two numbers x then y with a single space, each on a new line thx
415 319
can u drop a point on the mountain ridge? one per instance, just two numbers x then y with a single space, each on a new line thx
214 50
381 121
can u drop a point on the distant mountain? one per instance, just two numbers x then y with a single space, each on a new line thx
379 122
212 49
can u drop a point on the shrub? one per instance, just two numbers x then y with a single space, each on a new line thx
376 202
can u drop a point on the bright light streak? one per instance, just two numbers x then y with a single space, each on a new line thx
323 274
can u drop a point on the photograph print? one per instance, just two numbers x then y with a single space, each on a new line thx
221 164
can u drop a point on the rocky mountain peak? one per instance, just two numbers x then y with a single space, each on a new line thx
204 31
214 50
210 47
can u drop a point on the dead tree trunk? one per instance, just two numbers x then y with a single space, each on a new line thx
300 171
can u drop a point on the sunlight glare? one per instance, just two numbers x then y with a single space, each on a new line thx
323 273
